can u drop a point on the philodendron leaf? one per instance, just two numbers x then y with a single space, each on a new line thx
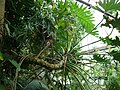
84 16
110 4
100 59
115 54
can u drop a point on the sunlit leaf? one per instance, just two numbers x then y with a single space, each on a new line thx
84 16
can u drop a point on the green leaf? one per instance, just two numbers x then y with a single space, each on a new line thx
106 40
114 23
84 16
76 71
14 63
110 4
77 79
116 55
1 56
36 85
99 58
2 87
113 42
7 28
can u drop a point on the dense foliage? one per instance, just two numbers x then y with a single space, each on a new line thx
41 47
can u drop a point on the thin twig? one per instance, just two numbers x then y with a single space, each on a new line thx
48 44
93 29
90 43
94 49
110 32
17 72
88 34
97 40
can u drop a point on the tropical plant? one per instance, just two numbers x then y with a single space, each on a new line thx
41 46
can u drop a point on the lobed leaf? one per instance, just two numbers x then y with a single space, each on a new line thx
108 5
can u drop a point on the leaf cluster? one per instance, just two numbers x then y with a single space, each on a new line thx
48 30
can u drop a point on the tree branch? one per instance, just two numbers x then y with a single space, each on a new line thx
43 63
32 59
49 65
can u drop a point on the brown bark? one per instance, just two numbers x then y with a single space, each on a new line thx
2 11
45 64
31 59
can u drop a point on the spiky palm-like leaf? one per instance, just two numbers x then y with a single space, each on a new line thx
77 72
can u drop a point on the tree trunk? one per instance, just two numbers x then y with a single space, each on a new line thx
2 11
